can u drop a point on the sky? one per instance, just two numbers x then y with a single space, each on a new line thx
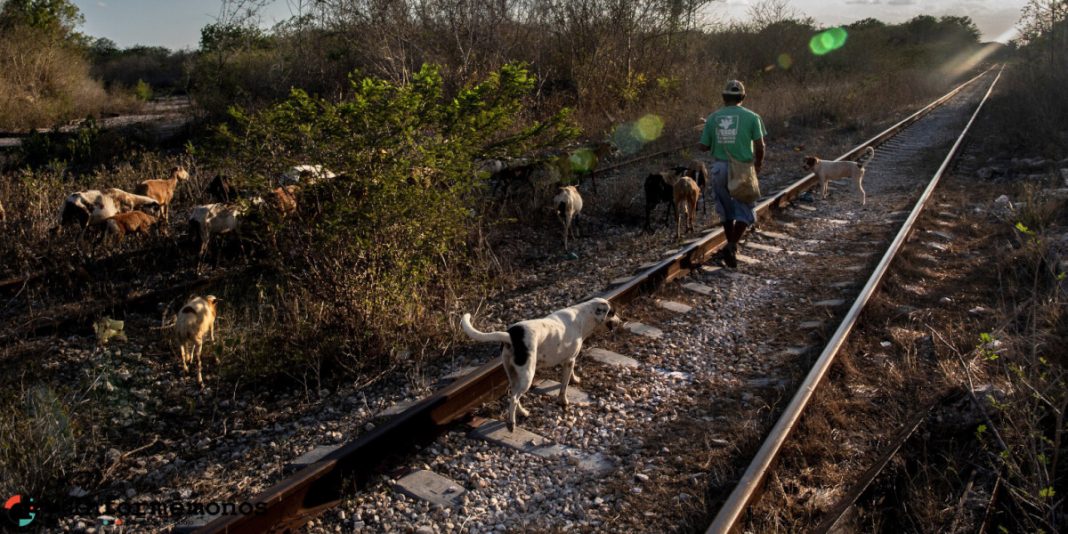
176 23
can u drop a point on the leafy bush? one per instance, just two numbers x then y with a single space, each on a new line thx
143 91
376 246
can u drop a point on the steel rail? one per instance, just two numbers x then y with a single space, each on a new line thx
693 255
731 511
297 499
832 517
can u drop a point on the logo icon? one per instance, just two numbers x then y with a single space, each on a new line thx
108 521
21 511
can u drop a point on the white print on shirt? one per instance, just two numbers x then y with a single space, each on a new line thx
727 129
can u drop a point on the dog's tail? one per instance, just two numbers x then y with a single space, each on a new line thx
865 157
485 337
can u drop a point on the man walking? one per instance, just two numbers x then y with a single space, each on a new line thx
733 132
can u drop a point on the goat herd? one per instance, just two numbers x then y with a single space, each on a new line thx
116 213
680 187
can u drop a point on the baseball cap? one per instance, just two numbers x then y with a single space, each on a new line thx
734 87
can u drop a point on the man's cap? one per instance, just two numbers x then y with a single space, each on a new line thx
734 88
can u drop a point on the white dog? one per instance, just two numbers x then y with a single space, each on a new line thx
835 170
568 204
553 340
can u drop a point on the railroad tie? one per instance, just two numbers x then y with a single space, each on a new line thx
526 441
765 248
608 357
697 288
676 307
551 388
431 487
644 330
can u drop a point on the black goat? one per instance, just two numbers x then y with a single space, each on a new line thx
222 190
659 187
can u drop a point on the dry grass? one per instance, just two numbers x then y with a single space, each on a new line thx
942 478
39 442
44 83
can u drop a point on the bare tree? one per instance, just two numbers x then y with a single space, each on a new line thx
1044 22
764 13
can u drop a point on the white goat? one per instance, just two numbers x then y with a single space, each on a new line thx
129 201
195 320
212 219
305 174
568 204
87 208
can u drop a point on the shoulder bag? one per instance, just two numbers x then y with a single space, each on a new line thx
742 181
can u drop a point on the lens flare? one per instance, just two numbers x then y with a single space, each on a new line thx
630 137
623 137
582 160
838 36
649 128
785 61
828 41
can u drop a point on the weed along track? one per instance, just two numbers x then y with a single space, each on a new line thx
670 408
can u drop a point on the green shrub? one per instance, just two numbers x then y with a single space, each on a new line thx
143 91
377 245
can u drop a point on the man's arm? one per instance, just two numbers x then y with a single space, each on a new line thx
708 138
758 154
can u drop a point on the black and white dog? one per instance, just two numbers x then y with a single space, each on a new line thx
555 339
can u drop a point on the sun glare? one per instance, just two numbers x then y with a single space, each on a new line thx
828 41
967 61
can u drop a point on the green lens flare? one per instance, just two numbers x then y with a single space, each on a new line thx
828 41
839 35
648 128
582 160
816 45
785 61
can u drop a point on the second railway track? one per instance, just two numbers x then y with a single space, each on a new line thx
676 417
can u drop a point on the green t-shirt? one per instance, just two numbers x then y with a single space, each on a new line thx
732 129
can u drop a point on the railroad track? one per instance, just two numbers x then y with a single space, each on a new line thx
903 156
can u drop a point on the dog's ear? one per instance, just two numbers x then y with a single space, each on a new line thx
602 311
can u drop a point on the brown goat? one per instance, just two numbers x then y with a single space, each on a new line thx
685 195
130 222
163 190
284 199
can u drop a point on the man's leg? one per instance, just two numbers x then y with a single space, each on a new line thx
725 207
745 217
